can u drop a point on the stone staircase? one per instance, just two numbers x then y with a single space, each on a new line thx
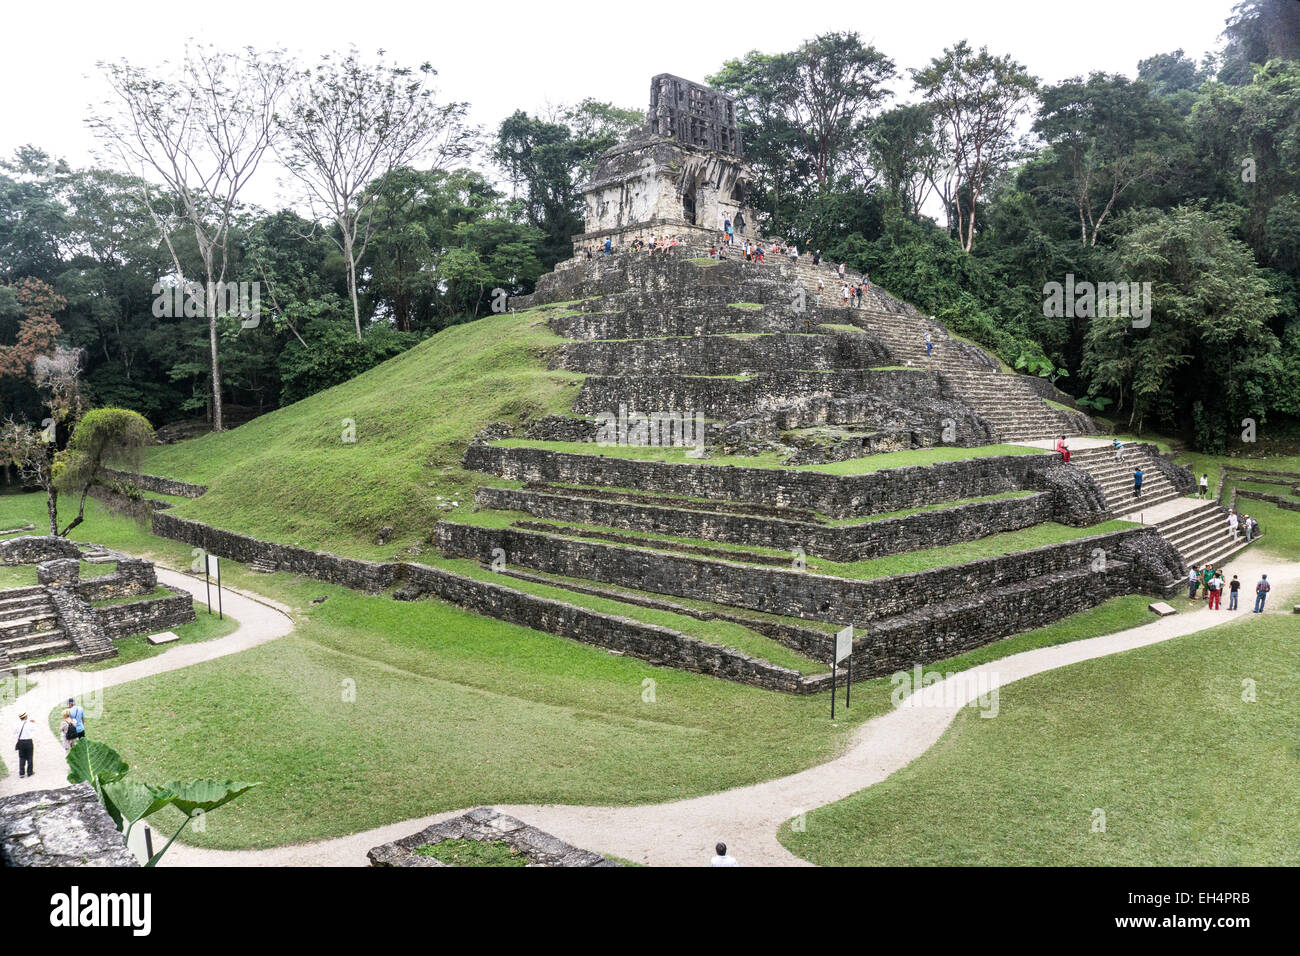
1201 535
726 339
1116 478
30 634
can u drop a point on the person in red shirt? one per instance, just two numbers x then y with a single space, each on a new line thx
1065 452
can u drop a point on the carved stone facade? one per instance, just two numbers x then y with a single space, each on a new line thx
683 171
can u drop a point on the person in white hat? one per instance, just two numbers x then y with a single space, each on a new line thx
25 743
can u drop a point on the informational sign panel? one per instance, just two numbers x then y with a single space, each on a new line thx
214 567
843 644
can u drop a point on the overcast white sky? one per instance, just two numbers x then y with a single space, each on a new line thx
501 56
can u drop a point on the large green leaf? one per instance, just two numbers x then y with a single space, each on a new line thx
135 800
98 764
95 763
205 795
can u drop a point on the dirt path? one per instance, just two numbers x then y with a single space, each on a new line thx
682 833
260 620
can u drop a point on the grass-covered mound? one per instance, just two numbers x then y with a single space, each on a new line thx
290 475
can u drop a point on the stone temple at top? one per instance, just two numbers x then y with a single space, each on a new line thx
683 172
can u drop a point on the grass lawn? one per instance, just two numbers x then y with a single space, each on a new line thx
1160 739
450 710
204 627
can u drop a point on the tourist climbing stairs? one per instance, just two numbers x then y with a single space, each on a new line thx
1116 478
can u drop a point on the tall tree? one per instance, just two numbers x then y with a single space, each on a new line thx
204 131
1111 134
348 125
980 98
815 102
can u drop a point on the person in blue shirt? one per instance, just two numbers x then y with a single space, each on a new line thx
1137 482
77 718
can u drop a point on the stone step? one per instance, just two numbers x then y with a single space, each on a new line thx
35 637
17 655
25 625
16 594
24 612
1127 504
28 600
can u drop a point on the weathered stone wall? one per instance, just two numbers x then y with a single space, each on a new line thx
133 576
147 616
156 484
941 631
1181 478
1077 498
838 543
803 594
732 398
81 625
347 572
33 549
484 824
63 827
61 572
839 496
715 355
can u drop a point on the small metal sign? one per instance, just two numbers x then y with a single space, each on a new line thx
843 644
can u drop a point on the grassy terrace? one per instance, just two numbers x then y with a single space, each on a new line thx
505 714
855 466
728 634
1007 542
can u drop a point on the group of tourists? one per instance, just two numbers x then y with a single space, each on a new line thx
71 729
1210 582
1242 524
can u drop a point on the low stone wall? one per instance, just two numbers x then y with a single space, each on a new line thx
33 549
838 543
146 617
348 572
64 827
802 594
936 633
486 825
133 576
840 496
1271 499
657 645
156 484
1182 479
81 624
